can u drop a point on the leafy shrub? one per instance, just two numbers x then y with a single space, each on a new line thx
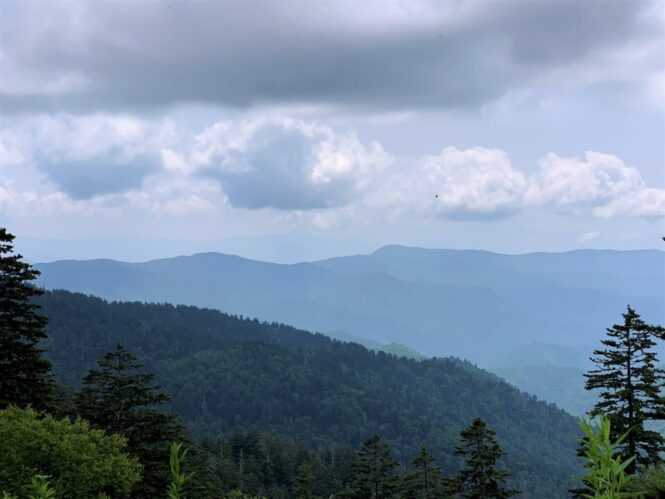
605 476
80 462
650 482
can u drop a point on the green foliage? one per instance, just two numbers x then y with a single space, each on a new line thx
650 482
80 461
302 483
264 464
25 377
236 494
40 488
425 480
374 471
178 478
480 479
226 372
118 398
605 476
631 387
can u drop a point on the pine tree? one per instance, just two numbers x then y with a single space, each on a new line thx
480 479
631 388
302 482
119 398
424 481
25 377
373 471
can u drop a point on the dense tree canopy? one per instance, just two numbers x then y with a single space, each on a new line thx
226 372
424 480
118 397
374 471
24 372
81 462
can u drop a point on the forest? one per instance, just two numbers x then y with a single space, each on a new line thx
118 398
225 372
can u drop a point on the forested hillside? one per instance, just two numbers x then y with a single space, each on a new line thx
426 299
226 372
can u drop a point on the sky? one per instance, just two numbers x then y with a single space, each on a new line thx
298 130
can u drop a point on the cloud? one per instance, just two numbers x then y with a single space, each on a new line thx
287 164
403 55
90 155
469 183
601 184
106 162
587 237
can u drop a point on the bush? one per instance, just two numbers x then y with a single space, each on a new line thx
80 462
606 476
650 482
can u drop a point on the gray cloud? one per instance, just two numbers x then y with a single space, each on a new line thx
104 175
85 156
126 55
288 165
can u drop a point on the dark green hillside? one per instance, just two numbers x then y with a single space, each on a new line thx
225 371
426 299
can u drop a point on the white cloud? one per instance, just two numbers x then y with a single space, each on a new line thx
110 163
587 237
645 203
469 183
89 155
600 184
287 164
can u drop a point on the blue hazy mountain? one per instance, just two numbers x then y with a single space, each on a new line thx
478 305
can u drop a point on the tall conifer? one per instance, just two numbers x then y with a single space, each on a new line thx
480 478
424 481
631 387
373 471
25 377
120 398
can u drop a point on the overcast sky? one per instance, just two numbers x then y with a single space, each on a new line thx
302 129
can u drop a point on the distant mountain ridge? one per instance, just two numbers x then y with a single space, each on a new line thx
474 304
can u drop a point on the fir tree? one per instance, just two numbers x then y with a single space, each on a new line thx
373 471
25 377
119 398
631 388
424 481
302 483
480 479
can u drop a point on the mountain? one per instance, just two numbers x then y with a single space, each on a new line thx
226 372
443 302
400 350
554 372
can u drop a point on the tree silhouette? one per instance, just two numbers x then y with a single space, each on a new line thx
25 377
373 471
119 398
480 479
631 387
424 481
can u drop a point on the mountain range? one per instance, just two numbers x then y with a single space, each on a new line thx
533 318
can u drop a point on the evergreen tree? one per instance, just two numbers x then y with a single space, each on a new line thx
119 398
302 483
373 471
424 481
631 388
25 377
480 479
